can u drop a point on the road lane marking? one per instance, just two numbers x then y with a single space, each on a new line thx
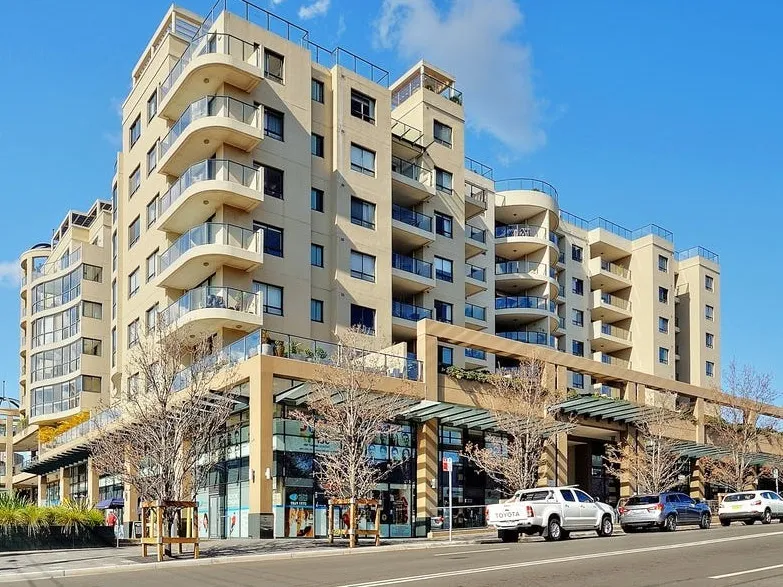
470 552
748 572
474 571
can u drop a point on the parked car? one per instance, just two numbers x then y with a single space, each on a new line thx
551 512
749 506
663 510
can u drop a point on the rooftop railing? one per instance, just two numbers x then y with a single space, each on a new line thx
411 218
614 228
211 169
697 252
428 82
526 183
411 265
224 106
478 167
211 233
508 267
411 170
478 354
525 303
61 264
216 297
410 312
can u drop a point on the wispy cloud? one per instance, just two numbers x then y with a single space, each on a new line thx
113 138
275 2
473 40
9 274
340 26
316 8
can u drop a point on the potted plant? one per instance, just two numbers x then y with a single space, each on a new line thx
315 355
279 348
266 343
295 349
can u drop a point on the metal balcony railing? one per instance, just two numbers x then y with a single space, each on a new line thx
615 269
410 312
411 265
412 218
478 168
65 262
615 331
529 337
508 267
525 302
411 170
615 301
520 230
211 233
527 184
216 297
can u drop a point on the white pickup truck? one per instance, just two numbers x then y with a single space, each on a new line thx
551 512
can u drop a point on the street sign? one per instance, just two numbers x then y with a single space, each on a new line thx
447 465
775 474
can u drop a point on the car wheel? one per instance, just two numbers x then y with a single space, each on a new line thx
748 522
670 523
606 527
725 523
554 531
767 517
509 536
704 522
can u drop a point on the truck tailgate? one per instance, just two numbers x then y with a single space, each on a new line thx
503 513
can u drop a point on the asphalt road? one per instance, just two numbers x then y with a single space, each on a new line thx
720 557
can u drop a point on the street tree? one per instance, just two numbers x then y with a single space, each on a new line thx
522 406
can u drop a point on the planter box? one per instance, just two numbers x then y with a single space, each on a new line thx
54 538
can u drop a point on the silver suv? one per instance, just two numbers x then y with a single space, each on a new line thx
663 510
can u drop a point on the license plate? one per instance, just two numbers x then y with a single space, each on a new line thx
736 507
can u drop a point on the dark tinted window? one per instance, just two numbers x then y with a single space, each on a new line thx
643 500
740 497
568 495
534 495
672 498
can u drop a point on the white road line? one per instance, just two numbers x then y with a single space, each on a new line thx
470 552
749 571
474 571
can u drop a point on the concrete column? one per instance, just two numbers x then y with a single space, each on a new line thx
427 353
554 463
65 484
697 474
9 453
92 483
630 392
426 469
130 495
550 376
641 393
562 379
261 517
627 482
697 481
41 490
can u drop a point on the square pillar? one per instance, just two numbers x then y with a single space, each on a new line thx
562 379
131 511
427 353
426 470
9 453
65 483
550 376
697 474
92 483
554 462
41 490
697 481
629 393
627 481
261 516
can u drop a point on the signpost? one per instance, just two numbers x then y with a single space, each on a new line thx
447 468
776 475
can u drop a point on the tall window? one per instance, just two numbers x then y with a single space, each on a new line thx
152 158
152 211
273 238
92 273
133 333
114 251
274 122
363 317
316 310
317 145
444 224
113 346
362 213
663 295
578 380
273 65
151 318
663 325
663 263
709 282
710 368
362 160
272 296
92 310
152 105
709 312
91 346
316 200
133 283
273 180
663 355
134 231
576 253
577 286
709 340
362 266
445 357
316 255
444 269
317 91
578 348
577 317
134 133
362 106
134 181
152 265
444 312
442 133
444 180
113 299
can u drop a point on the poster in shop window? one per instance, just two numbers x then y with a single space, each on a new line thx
299 520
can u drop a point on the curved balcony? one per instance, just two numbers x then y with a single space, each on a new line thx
203 249
205 310
410 229
524 274
204 188
204 125
530 337
410 276
56 267
524 310
524 198
405 316
518 240
211 60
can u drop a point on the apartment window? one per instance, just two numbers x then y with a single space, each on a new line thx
445 357
363 318
113 347
91 383
317 145
362 106
317 91
576 253
273 238
577 317
135 131
663 295
444 224
316 310
273 123
709 340
113 299
133 333
663 325
578 348
316 200
133 283
134 181
444 312
151 318
114 203
663 263
709 282
152 265
362 266
91 346
272 296
316 255
273 182
709 312
114 251
709 368
663 355
362 213
362 160
152 211
134 231
441 133
578 380
444 180
444 269
92 273
92 310
273 65
152 105
577 286
152 158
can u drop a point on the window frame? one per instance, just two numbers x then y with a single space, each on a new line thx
441 173
152 206
268 72
133 276
262 226
663 263
317 90
580 314
709 283
316 310
366 106
362 273
447 309
365 205
267 176
577 286
264 287
709 312
316 200
663 325
316 255
137 223
441 274
709 340
317 148
577 348
134 131
361 166
134 181
440 220
152 105
446 143
577 253
154 259
663 294
663 355
709 368
272 114
152 159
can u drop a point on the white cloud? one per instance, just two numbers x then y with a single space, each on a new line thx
472 41
276 2
10 274
340 26
316 8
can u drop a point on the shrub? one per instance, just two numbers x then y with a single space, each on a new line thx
17 513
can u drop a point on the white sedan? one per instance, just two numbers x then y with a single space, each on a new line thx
750 506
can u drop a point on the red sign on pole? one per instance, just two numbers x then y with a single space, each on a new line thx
447 464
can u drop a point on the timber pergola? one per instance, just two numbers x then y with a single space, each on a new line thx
604 408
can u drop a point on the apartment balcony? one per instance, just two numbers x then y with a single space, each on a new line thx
203 249
608 307
524 310
475 358
517 240
211 60
609 338
475 316
405 316
612 360
411 183
529 337
410 229
475 279
475 241
608 276
203 127
204 188
205 310
524 274
411 276
475 200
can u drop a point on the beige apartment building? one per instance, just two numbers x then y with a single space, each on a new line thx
267 183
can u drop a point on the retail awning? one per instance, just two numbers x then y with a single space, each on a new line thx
45 465
603 408
110 504
696 450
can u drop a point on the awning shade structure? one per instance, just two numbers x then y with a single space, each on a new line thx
54 463
696 450
110 504
603 408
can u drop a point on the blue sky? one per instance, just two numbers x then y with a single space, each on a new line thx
665 112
